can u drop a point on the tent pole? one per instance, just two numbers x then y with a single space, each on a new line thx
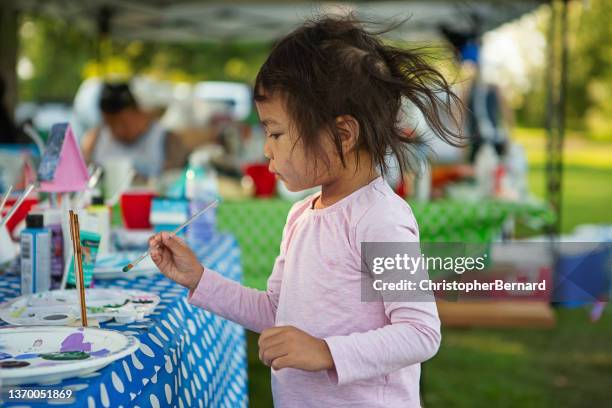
562 108
552 183
9 43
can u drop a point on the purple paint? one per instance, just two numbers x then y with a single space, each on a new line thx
74 342
26 356
99 353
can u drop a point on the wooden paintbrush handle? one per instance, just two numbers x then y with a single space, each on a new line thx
78 264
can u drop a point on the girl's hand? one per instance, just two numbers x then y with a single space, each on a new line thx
175 259
287 346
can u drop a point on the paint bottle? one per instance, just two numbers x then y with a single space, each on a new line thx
35 256
53 222
103 212
90 242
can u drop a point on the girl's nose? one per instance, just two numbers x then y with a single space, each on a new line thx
267 151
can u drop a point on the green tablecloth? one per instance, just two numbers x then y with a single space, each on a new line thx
258 226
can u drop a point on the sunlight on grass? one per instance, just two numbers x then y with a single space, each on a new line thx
486 344
578 151
599 359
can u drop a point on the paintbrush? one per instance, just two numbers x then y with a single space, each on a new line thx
16 206
176 231
78 263
5 198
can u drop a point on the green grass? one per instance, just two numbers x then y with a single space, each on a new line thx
260 394
587 194
568 366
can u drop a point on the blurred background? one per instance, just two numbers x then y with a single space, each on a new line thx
535 76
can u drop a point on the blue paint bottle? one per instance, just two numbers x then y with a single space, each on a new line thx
35 256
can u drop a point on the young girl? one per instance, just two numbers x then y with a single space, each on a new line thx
329 97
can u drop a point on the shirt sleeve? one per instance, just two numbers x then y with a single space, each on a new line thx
413 333
251 308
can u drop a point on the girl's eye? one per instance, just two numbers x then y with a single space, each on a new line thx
275 135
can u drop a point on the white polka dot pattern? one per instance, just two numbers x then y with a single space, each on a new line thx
188 356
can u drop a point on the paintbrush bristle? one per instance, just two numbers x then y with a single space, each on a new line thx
127 267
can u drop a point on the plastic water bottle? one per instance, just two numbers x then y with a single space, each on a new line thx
201 187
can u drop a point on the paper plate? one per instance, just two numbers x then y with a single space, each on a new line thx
109 266
61 307
44 354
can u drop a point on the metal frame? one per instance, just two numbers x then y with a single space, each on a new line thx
557 77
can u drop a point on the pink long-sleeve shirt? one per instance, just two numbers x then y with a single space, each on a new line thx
377 347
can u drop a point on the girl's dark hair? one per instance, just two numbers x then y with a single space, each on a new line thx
116 97
334 66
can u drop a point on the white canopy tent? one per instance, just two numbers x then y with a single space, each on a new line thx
181 21
267 20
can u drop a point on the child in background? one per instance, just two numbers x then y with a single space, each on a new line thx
329 96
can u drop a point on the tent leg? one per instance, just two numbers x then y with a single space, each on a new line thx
562 108
8 53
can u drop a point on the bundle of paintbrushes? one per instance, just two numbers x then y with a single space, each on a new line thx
78 263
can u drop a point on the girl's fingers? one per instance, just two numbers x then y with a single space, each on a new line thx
282 362
268 333
172 242
179 241
271 342
162 259
270 354
154 241
156 253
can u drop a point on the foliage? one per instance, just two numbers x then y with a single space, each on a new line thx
57 52
62 56
589 92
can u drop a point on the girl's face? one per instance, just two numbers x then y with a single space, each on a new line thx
285 150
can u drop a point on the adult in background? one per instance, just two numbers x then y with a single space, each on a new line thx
129 132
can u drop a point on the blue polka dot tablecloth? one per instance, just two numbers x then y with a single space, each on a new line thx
188 357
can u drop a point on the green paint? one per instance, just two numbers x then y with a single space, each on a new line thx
118 305
18 312
65 356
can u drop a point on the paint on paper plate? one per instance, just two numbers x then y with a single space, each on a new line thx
72 347
60 307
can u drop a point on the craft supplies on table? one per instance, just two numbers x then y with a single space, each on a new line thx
35 256
42 354
61 307
176 231
103 214
89 243
53 221
136 208
110 266
186 355
167 214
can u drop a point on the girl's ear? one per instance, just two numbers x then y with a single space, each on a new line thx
348 128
